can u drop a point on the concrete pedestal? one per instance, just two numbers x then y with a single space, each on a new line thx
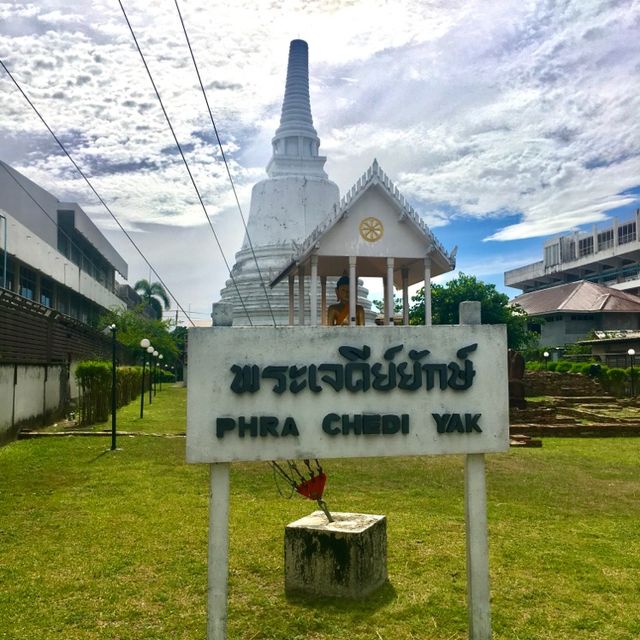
346 558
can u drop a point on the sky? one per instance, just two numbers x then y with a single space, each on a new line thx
502 123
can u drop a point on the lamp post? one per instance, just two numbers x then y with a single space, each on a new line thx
144 344
545 355
150 351
160 357
113 386
632 353
155 371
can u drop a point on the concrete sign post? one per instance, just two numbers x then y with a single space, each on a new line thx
475 512
277 393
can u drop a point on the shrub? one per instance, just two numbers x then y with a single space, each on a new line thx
616 381
582 368
563 366
128 381
165 376
551 366
94 379
597 370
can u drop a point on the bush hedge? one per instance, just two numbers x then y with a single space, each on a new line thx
94 380
614 380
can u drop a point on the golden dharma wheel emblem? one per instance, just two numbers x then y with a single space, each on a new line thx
371 229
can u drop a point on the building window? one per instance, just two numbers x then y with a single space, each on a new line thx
27 283
585 247
626 233
551 255
63 243
568 250
74 307
605 240
9 274
63 301
46 292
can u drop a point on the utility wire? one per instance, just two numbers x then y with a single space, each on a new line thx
86 179
186 164
224 158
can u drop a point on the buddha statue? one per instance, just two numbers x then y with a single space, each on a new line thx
338 313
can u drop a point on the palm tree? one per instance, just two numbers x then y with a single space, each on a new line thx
153 295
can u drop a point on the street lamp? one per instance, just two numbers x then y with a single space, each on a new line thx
160 357
150 351
632 353
155 371
545 355
113 386
144 344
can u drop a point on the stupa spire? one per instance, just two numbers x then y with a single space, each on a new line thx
296 107
296 142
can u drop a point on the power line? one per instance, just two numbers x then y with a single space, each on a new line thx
86 179
224 158
186 164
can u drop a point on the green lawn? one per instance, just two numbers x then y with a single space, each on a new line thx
113 545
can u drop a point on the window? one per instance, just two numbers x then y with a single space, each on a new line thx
551 255
568 250
27 283
585 246
63 243
626 233
9 275
605 239
46 292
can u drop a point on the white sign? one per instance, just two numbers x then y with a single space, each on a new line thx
271 393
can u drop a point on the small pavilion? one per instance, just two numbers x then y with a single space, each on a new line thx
374 232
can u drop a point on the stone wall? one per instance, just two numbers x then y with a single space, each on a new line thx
550 383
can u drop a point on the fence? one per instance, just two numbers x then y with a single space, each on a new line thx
39 348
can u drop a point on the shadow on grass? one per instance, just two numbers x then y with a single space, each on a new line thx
380 598
104 453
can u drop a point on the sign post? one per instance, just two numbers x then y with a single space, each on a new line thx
218 568
278 393
475 510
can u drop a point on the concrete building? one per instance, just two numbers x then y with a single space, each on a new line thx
607 255
285 208
54 253
57 276
567 313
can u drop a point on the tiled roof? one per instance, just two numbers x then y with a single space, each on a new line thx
578 297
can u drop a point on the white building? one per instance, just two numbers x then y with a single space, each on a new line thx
52 253
57 276
608 256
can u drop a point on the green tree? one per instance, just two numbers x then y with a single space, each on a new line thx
378 305
496 309
132 326
153 295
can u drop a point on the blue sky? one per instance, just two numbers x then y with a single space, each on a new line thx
502 123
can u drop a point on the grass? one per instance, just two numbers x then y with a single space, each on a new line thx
113 545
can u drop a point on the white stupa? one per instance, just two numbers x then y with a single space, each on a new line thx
285 208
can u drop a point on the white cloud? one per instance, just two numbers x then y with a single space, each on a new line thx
471 107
